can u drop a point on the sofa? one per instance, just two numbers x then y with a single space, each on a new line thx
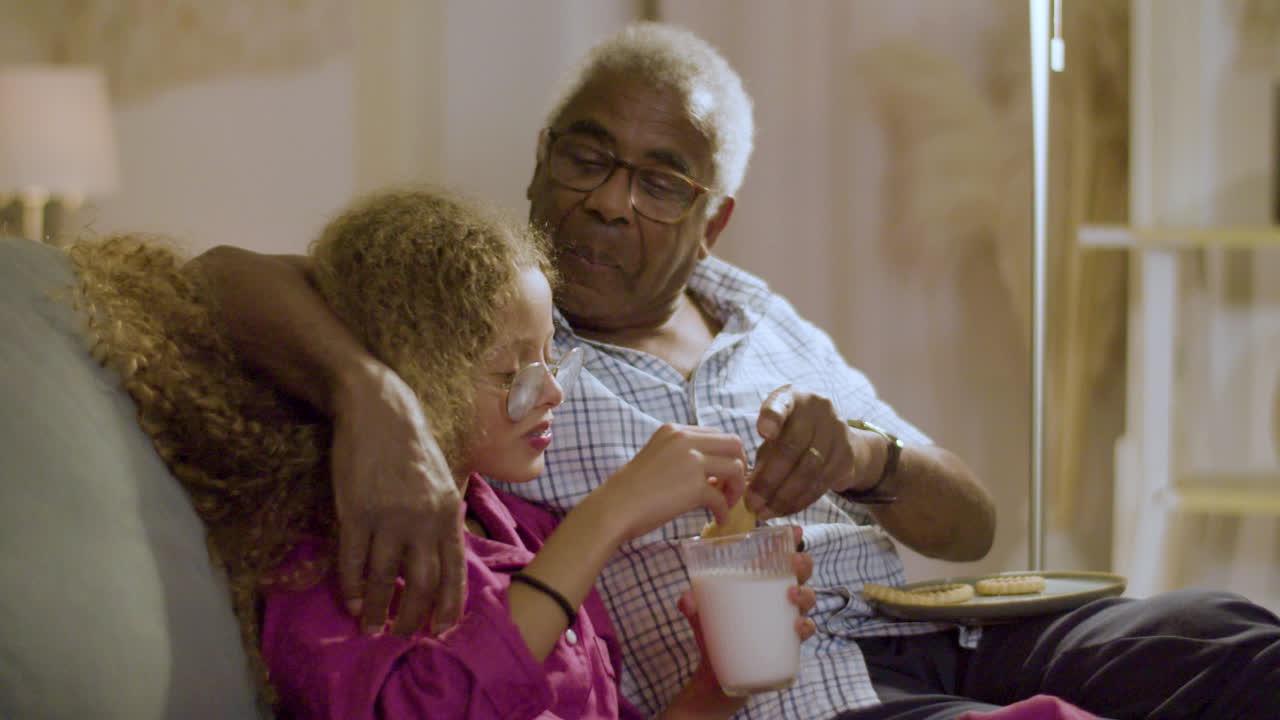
111 607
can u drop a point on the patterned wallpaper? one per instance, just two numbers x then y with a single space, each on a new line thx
149 46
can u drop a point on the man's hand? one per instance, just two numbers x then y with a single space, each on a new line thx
942 510
808 449
398 505
399 508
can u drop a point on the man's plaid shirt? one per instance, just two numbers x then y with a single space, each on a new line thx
624 395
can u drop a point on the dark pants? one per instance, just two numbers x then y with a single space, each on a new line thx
1183 654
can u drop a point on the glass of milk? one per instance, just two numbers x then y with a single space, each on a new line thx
740 584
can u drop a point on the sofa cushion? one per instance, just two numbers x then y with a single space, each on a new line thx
111 608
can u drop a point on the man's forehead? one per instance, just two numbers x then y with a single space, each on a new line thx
613 107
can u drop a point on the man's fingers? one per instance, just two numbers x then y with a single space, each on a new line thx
774 412
453 580
775 462
380 584
787 464
421 574
353 549
802 486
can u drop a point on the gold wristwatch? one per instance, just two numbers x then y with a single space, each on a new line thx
872 495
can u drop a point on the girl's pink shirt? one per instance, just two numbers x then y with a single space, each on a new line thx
1036 707
324 667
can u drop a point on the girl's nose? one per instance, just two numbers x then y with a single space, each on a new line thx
551 394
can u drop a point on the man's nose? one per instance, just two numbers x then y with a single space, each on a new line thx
611 202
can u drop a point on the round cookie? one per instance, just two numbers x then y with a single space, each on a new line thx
740 520
945 594
1010 585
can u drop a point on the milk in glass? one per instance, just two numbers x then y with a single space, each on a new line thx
749 627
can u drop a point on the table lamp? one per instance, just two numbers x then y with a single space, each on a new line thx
56 139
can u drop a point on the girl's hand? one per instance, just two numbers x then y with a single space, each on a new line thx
681 467
702 696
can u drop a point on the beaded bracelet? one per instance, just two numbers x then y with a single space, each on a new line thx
549 591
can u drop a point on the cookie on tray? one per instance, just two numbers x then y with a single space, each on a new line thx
942 594
1010 585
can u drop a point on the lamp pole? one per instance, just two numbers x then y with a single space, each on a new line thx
1047 52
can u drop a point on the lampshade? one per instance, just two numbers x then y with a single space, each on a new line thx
55 131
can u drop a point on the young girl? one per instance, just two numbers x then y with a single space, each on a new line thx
458 302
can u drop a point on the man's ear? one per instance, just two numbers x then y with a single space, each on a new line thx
533 180
537 165
714 226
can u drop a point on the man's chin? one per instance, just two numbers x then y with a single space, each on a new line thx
582 306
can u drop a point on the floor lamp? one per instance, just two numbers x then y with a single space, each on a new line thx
56 139
1047 53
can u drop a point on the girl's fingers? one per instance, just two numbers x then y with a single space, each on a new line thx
805 628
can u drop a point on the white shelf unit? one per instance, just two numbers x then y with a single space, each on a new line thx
1170 238
1149 473
1201 165
1155 327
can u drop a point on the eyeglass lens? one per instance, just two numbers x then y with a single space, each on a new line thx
658 194
528 384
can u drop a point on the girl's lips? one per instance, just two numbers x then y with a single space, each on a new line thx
540 438
540 430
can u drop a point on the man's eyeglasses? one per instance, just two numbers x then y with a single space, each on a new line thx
526 386
660 194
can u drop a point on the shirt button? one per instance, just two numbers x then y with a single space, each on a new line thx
571 637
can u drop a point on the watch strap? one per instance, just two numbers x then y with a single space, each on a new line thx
874 495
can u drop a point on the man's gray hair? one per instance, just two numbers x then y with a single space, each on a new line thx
673 58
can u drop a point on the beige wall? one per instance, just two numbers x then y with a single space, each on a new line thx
925 314
412 91
258 162
455 91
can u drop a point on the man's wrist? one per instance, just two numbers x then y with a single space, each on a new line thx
358 379
878 493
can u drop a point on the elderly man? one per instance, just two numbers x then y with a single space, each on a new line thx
635 179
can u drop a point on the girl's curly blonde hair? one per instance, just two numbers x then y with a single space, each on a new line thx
419 276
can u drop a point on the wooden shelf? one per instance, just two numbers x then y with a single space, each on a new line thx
1245 492
1167 238
1224 501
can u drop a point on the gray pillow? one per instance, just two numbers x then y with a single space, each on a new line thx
111 608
